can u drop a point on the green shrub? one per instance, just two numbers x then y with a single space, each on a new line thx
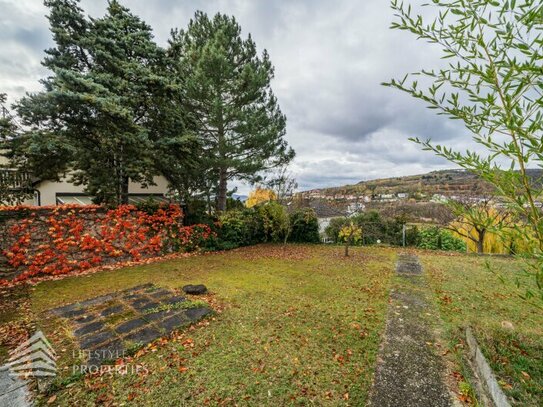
435 238
196 213
275 221
240 228
375 228
334 227
304 226
149 205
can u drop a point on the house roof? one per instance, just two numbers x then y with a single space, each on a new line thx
324 209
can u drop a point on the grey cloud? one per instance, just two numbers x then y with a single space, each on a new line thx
330 59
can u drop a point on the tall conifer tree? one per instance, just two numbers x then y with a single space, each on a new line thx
227 86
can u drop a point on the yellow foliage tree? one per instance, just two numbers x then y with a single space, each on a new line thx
350 234
487 229
259 196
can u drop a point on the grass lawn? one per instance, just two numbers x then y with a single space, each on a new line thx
299 327
469 294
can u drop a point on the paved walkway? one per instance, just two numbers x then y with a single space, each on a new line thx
13 391
108 325
409 372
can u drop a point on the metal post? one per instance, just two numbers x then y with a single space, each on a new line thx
403 234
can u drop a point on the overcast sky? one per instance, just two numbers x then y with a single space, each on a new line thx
330 58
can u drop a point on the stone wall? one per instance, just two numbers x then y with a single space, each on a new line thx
62 239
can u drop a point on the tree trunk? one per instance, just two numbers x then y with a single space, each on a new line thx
223 189
124 190
347 242
481 241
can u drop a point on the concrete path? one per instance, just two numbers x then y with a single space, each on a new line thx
409 372
13 391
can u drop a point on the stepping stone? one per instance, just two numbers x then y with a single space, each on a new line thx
408 264
89 328
72 313
160 293
96 300
143 336
174 300
109 351
92 319
173 322
144 304
195 314
62 311
195 289
115 309
85 319
91 341
139 301
158 316
131 325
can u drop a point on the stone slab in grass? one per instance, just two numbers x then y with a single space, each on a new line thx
107 326
197 289
114 309
174 321
130 325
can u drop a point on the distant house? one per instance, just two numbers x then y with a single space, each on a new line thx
325 212
387 197
439 198
48 193
355 207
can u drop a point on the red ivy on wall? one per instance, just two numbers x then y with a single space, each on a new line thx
70 238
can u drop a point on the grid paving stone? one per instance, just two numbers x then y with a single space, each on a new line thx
160 293
156 316
95 339
106 352
84 319
73 313
130 325
144 335
61 311
195 314
89 328
174 300
138 288
173 322
92 320
144 305
114 309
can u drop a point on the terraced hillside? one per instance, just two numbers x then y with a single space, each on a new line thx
445 182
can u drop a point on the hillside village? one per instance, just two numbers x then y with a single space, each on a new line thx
435 186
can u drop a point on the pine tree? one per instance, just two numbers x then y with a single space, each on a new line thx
227 86
97 114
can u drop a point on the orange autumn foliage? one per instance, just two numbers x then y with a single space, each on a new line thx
63 239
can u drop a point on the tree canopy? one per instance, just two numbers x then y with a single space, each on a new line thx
228 89
117 108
